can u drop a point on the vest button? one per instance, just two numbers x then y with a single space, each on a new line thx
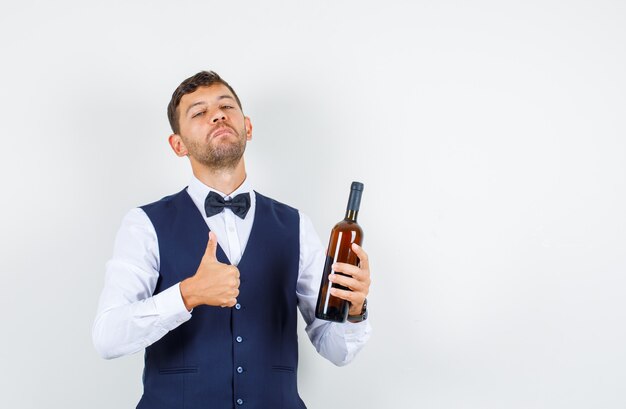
239 339
239 369
237 306
239 401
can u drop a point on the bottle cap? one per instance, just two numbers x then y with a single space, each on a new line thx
354 201
357 186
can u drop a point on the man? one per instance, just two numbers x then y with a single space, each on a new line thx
207 280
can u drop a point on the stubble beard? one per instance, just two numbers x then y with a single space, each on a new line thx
224 155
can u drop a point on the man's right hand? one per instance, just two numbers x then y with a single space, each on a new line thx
214 283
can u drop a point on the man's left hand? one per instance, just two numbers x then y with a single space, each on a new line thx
357 279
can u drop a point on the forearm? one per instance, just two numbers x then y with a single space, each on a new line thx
335 341
127 328
338 342
129 316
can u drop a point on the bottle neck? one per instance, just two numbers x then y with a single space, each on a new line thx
354 203
351 215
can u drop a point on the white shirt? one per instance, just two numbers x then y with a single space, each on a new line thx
130 318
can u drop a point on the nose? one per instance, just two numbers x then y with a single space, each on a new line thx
218 115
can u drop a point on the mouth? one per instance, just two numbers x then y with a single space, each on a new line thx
221 131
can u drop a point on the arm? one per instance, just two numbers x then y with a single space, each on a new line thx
129 317
337 342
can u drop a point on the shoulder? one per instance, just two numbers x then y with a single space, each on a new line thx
305 224
166 201
273 203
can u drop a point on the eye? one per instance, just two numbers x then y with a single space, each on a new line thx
199 113
227 107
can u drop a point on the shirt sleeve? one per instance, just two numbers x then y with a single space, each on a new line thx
337 342
129 317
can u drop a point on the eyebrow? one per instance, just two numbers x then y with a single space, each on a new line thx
204 103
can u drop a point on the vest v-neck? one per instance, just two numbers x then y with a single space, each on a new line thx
189 202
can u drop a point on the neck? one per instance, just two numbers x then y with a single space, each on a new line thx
225 180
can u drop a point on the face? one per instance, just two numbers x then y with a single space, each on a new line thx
213 130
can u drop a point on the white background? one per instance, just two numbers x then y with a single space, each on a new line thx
490 137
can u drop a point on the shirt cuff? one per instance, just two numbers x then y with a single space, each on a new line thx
170 308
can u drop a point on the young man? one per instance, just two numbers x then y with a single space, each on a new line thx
208 280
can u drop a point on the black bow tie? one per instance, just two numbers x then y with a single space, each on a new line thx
214 204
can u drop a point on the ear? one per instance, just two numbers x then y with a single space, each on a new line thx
177 144
248 125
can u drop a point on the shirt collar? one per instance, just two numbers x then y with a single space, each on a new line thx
199 191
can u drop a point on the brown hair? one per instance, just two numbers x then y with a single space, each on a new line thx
201 79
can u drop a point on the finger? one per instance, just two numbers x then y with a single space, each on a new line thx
349 282
362 255
211 248
348 269
230 302
352 296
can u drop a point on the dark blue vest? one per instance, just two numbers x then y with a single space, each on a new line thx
223 358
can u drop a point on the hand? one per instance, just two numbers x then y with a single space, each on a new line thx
358 281
214 283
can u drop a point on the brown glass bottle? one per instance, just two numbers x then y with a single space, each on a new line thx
346 232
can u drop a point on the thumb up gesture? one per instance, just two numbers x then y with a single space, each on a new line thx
214 283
